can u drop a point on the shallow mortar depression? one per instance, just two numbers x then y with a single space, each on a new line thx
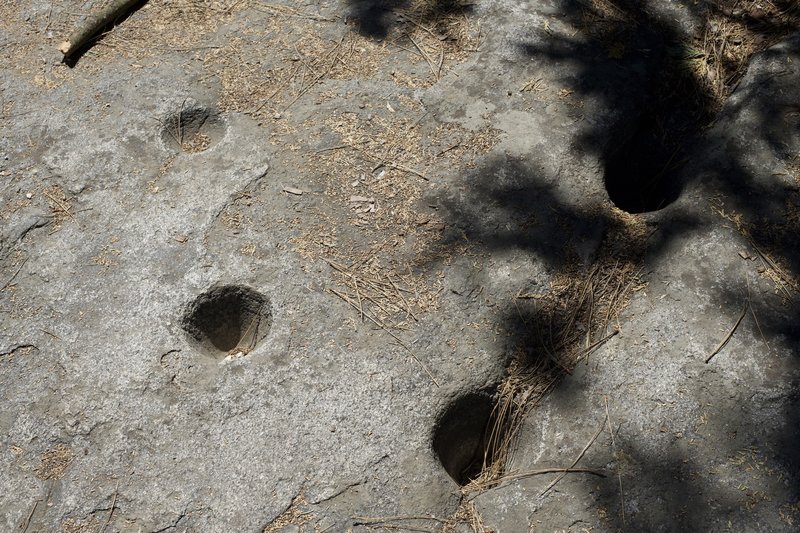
227 321
192 129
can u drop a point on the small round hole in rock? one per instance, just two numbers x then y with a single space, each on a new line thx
192 129
228 320
461 439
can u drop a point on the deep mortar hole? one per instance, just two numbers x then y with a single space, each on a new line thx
643 169
461 439
643 174
192 129
228 319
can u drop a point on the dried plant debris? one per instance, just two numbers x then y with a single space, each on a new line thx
54 462
393 299
151 30
295 515
72 525
466 515
769 253
716 57
557 330
734 30
312 50
60 206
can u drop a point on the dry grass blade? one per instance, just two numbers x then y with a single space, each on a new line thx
391 333
333 53
467 514
405 169
249 338
380 292
785 279
290 11
404 527
619 473
60 205
531 473
596 344
277 90
111 511
425 55
14 275
24 527
578 458
366 520
561 326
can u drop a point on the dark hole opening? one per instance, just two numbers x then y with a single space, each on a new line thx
228 318
462 440
643 174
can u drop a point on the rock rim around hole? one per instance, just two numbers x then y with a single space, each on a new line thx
227 321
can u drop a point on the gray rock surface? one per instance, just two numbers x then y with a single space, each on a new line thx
124 410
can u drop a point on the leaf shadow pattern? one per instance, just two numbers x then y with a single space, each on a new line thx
633 59
700 173
377 18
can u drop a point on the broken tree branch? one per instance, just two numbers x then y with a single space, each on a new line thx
93 24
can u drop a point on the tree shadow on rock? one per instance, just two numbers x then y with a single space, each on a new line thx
377 18
634 61
660 113
505 205
662 491
508 204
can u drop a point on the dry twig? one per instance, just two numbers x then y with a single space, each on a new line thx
724 341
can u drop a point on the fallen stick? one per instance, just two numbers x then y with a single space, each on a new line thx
95 23
724 341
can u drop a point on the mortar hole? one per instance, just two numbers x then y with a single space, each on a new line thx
228 320
461 438
642 175
192 129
